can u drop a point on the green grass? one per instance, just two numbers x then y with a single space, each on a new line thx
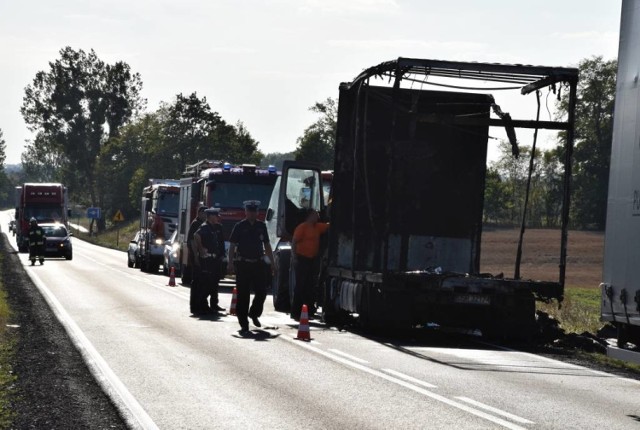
579 312
114 237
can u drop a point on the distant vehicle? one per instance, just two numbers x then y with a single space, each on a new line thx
171 255
12 226
58 240
158 220
133 259
46 202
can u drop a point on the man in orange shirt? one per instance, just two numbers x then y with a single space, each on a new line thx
305 247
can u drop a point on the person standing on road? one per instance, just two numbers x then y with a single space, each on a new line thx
36 242
209 242
304 252
249 242
192 250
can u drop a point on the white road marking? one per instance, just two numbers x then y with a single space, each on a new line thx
349 356
132 411
405 384
496 411
409 378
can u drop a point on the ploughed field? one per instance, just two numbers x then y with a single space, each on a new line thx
541 254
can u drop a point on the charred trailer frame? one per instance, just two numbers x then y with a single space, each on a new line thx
408 194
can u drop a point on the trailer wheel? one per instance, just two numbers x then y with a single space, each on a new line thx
280 282
623 336
331 314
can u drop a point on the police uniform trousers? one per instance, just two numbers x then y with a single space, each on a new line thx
195 295
305 282
250 275
205 285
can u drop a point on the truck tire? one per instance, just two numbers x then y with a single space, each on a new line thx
129 262
280 282
331 315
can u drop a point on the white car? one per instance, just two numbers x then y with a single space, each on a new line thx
133 259
171 255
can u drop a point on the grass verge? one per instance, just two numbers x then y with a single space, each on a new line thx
114 237
579 312
7 342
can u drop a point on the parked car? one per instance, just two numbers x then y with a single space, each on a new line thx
171 255
133 258
58 240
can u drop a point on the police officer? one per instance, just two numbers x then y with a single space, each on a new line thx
36 242
192 250
210 245
249 242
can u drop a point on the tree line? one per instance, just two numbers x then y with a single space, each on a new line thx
93 133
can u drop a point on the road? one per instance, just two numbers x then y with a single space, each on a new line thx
172 370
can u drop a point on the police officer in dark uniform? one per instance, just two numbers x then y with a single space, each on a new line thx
209 242
36 242
192 270
249 242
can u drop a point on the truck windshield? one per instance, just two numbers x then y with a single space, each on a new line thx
168 203
230 196
43 213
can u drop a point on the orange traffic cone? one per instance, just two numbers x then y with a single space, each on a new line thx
172 277
234 301
303 328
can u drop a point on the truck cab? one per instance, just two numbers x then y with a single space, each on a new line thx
301 186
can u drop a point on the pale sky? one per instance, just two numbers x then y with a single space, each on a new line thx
265 62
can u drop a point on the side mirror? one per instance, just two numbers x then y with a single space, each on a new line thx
269 215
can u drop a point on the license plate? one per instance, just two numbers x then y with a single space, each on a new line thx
472 299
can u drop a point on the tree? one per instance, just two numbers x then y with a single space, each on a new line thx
243 147
593 136
126 157
318 142
3 150
6 192
75 107
277 158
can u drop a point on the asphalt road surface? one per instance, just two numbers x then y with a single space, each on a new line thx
170 370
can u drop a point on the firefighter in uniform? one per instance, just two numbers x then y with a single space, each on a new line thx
192 269
209 242
36 242
249 242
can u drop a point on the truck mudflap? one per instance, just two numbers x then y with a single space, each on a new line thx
493 305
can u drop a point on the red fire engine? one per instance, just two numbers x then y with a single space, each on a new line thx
223 186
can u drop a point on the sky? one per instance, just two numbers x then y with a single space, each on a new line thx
265 62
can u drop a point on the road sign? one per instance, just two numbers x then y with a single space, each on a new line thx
93 213
118 216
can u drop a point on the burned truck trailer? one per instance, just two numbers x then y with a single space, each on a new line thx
407 199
